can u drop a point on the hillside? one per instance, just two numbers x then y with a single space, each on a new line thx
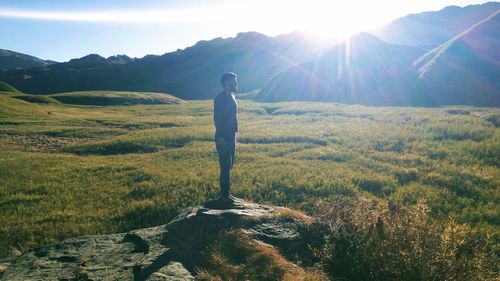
10 60
192 73
435 28
364 70
114 98
4 87
466 68
13 106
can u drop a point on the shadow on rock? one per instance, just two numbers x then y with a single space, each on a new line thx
168 252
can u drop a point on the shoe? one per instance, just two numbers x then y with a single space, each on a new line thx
225 199
236 199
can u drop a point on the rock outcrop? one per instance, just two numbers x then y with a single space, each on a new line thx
166 252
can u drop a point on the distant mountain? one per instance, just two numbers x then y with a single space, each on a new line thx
12 60
445 57
364 70
466 68
192 73
97 59
119 59
435 28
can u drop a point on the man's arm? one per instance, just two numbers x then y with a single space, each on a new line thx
218 121
230 115
230 121
218 115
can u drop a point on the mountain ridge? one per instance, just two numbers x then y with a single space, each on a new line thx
191 73
10 60
465 69
349 73
435 53
420 29
258 59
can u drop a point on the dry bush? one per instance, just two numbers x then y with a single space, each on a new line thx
386 241
235 256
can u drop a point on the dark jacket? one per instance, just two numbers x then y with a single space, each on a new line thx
225 115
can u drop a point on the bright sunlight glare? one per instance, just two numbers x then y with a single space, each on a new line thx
329 18
325 19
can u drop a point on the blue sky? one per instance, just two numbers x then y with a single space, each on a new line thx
65 29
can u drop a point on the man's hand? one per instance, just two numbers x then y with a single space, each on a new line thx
219 141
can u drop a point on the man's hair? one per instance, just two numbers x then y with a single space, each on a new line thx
226 77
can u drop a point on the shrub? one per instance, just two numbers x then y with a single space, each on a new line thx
372 241
235 256
487 151
494 119
376 185
283 139
111 148
407 175
144 141
459 132
397 145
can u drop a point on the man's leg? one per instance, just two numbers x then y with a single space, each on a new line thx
225 166
232 152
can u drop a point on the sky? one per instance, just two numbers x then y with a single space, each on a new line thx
64 29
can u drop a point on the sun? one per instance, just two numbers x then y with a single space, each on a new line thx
334 31
339 20
324 19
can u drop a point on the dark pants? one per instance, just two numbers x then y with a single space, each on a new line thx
226 154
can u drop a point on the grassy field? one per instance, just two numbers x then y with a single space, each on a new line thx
102 98
114 98
69 170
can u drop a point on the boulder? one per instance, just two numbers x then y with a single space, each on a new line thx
166 252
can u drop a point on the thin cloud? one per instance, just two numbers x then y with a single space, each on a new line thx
156 16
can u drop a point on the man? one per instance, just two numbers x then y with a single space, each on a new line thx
226 127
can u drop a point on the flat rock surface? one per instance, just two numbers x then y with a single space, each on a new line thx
165 252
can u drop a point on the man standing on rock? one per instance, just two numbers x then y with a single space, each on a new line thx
226 127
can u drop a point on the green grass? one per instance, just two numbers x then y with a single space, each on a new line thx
4 87
98 98
69 170
12 108
115 98
36 99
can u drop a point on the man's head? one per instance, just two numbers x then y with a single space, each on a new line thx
229 82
